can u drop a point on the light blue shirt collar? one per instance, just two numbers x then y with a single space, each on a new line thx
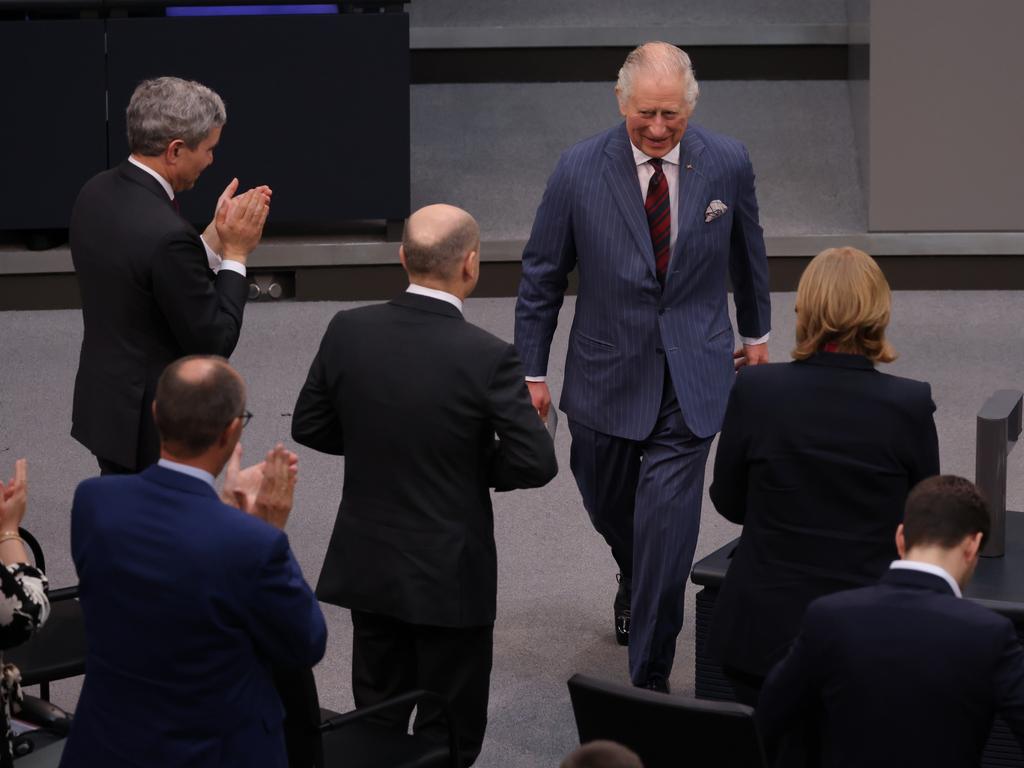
934 570
187 469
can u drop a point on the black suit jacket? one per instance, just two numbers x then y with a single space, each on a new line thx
413 396
899 674
148 298
815 461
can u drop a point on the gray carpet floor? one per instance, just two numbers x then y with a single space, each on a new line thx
490 148
556 578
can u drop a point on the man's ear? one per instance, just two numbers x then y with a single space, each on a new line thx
471 264
231 435
172 151
971 547
901 542
401 257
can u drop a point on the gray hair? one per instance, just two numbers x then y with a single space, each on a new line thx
439 253
660 59
168 108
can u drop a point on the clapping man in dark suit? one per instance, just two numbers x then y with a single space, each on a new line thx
905 672
413 396
152 288
655 215
189 603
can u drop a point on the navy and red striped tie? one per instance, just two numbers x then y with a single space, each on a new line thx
659 218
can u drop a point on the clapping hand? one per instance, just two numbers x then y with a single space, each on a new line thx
14 498
211 234
265 490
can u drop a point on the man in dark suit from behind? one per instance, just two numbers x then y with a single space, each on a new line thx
188 601
152 288
905 672
413 396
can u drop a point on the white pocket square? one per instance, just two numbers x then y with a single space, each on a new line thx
715 209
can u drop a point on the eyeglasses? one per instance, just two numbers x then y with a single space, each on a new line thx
246 415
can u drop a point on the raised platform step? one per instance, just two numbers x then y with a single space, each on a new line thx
293 253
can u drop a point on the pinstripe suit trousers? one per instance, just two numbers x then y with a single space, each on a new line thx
644 497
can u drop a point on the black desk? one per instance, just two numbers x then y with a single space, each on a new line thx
998 584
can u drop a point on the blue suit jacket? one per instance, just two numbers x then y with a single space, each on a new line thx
592 218
898 674
187 604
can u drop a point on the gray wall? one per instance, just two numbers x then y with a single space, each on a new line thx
946 115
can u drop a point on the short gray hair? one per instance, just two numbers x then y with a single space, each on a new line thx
658 58
168 108
439 254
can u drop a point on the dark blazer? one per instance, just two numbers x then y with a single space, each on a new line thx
902 673
413 396
626 328
187 604
148 298
815 462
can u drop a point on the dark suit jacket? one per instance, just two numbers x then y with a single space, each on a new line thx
148 298
626 328
900 674
187 603
413 396
815 461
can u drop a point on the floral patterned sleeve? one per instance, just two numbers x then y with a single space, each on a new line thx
23 603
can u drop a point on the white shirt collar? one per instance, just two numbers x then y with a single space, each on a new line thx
934 570
672 156
163 182
187 469
422 290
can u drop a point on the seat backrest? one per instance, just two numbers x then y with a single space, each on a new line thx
666 731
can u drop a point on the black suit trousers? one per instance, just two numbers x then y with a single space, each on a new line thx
391 657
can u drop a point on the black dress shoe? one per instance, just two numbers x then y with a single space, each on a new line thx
621 609
622 627
658 684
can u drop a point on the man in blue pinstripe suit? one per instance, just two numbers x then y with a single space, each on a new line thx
650 359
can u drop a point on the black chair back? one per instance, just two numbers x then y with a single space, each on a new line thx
666 731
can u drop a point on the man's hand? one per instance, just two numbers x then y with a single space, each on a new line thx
277 490
240 485
239 222
540 396
14 498
750 354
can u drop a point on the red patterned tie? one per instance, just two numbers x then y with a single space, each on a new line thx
659 218
175 205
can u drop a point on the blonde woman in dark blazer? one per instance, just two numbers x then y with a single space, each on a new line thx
815 460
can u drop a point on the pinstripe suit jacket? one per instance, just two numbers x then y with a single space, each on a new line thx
592 218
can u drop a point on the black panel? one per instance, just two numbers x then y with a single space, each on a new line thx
597 64
53 129
318 106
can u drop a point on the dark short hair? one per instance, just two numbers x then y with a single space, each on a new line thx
192 413
944 510
602 754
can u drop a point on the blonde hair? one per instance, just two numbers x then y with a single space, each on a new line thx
843 299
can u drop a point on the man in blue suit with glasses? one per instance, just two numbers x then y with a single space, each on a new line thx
656 215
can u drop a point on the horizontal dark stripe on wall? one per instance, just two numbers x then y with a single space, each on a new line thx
545 65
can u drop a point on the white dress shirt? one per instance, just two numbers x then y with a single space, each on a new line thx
187 469
212 257
422 290
934 570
